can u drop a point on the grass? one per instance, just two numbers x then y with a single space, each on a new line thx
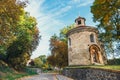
110 67
13 76
7 73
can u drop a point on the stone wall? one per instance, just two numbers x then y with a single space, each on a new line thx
91 74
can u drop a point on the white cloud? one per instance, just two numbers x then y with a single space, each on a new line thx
48 19
61 11
34 7
43 46
80 3
75 1
85 3
47 22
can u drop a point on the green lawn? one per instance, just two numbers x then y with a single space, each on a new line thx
111 67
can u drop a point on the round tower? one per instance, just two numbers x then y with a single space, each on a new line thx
83 45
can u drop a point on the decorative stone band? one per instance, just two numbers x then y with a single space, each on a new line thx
82 29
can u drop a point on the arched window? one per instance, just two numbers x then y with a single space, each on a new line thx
69 41
92 38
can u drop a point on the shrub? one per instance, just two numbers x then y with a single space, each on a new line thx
114 61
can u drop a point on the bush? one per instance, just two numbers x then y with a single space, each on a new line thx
114 61
30 71
6 69
3 64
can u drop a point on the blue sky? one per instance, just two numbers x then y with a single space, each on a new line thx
53 15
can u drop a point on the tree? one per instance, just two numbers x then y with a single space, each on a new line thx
107 13
19 34
51 60
59 48
117 50
41 62
43 58
59 52
27 36
62 56
10 12
64 31
38 62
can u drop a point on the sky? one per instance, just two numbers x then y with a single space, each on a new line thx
53 15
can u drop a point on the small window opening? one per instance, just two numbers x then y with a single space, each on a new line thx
91 38
69 42
79 22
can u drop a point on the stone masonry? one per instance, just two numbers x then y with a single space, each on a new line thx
84 47
91 74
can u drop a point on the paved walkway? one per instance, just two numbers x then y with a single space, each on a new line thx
46 76
61 77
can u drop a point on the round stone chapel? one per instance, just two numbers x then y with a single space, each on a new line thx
84 48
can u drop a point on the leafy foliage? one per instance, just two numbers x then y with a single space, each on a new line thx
59 50
59 53
19 35
107 13
41 62
27 37
38 62
10 13
114 61
51 60
64 31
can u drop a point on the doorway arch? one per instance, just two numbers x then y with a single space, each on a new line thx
95 54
